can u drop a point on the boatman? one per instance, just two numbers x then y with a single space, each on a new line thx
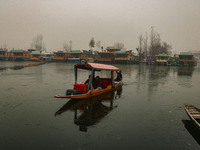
119 76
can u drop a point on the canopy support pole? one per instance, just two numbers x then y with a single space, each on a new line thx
112 78
75 74
90 87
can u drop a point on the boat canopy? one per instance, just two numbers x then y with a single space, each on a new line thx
96 66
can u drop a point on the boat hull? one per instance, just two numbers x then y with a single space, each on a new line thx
90 93
193 113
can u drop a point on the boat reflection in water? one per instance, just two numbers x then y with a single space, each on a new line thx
192 129
88 112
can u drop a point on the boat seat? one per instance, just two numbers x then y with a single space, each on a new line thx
196 115
195 112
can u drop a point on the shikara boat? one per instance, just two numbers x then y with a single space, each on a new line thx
91 89
193 113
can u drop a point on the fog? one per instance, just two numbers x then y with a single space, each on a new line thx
108 21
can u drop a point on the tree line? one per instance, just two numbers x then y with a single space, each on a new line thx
154 47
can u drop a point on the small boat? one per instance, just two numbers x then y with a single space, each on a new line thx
91 89
193 113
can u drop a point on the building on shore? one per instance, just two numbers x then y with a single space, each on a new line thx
121 57
35 56
2 53
75 56
162 59
48 57
107 56
61 56
174 61
17 55
186 59
114 55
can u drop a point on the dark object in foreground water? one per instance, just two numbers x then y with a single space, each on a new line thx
193 113
191 128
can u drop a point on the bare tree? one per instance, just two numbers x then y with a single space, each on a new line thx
44 47
92 43
145 45
38 44
154 42
98 45
156 46
119 45
164 48
140 49
65 47
70 45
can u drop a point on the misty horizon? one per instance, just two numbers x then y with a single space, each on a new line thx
108 21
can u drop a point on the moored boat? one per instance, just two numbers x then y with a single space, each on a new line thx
193 113
94 86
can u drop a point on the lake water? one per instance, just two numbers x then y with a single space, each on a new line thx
147 113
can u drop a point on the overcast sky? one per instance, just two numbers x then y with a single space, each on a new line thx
108 21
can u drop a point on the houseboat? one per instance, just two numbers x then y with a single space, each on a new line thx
61 56
186 59
125 57
114 55
35 56
121 57
18 55
107 56
75 56
173 61
162 59
48 57
2 53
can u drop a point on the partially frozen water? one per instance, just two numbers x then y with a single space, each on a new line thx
147 113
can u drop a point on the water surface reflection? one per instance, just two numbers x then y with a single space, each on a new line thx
89 112
185 71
